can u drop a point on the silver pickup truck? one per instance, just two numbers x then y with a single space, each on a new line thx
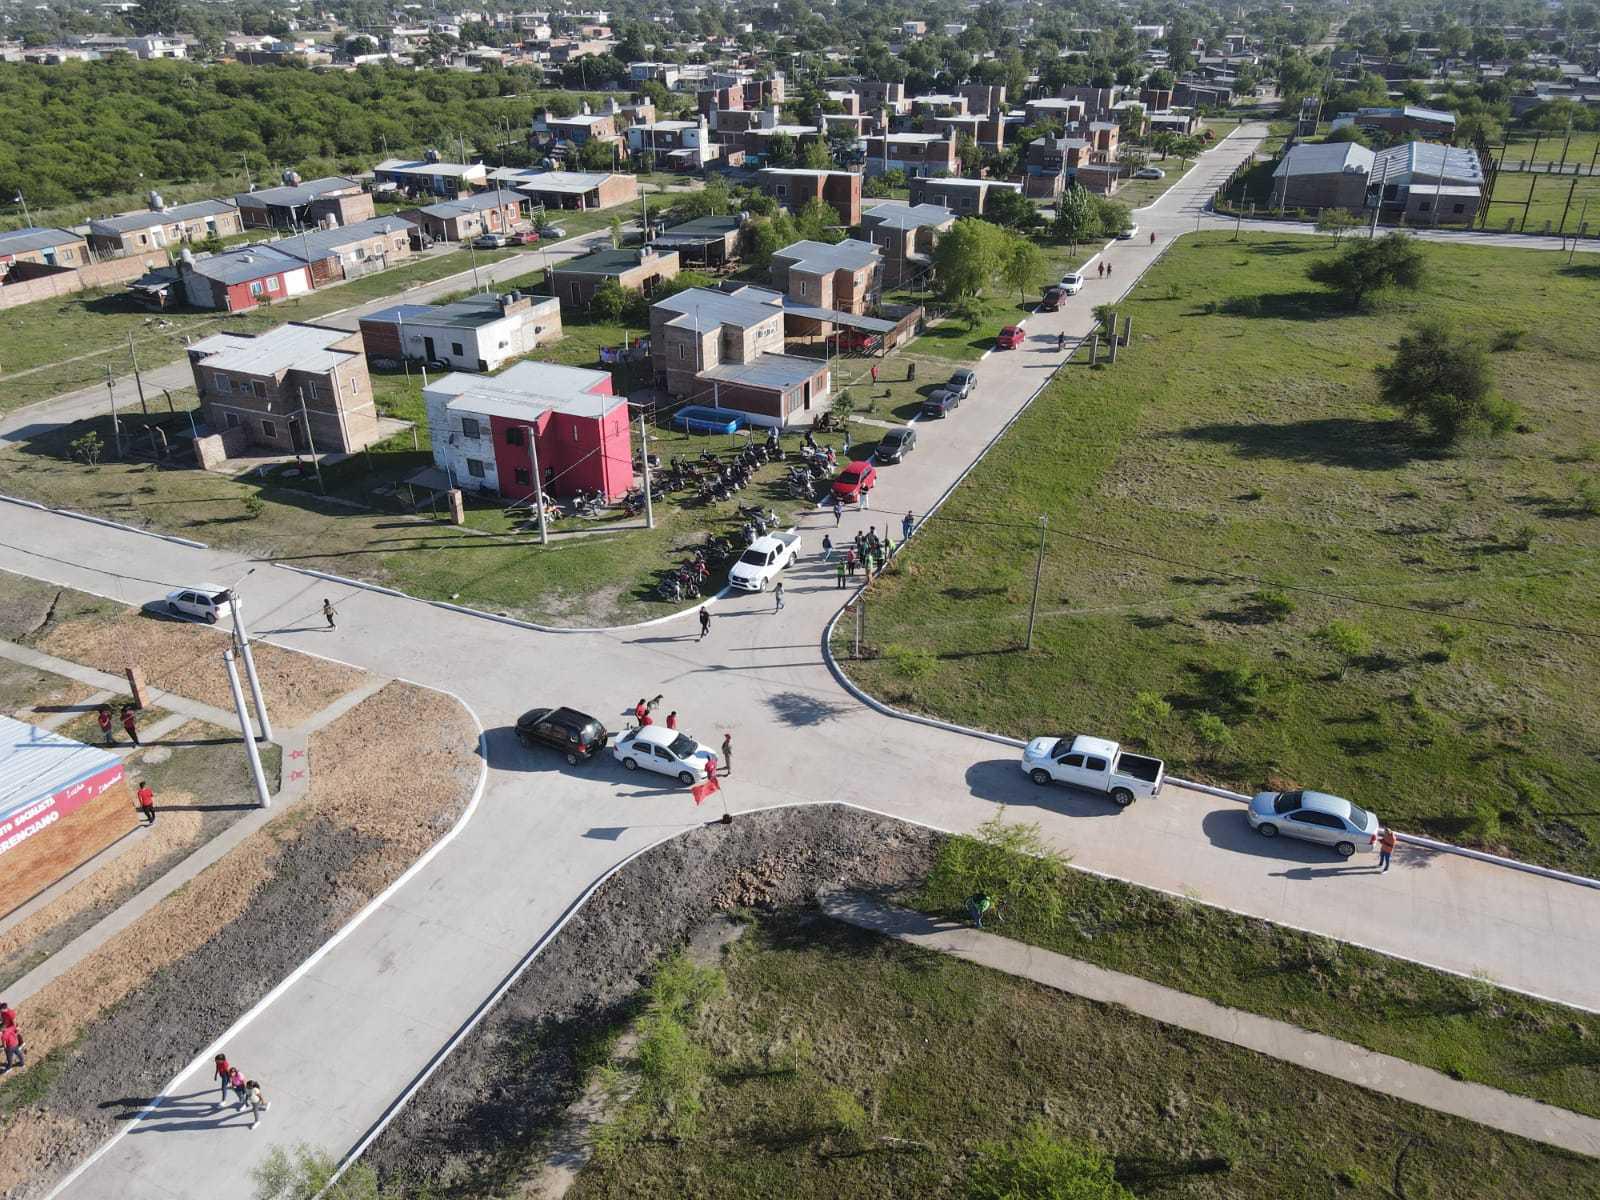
1095 764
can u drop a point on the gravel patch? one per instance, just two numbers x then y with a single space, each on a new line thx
481 1123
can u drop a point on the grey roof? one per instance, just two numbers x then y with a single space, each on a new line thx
897 215
468 313
849 255
1399 163
291 347
527 390
241 266
316 244
35 238
294 197
703 309
1414 111
568 183
795 308
479 202
607 262
968 184
777 372
413 166
1325 158
35 764
711 227
150 218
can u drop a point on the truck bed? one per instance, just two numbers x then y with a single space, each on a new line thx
1140 766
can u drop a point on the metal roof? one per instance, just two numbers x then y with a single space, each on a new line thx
412 166
291 347
568 183
775 372
608 262
480 202
968 184
150 218
1325 158
315 244
526 391
899 215
241 266
293 197
701 309
36 764
849 255
1456 164
35 238
794 308
469 313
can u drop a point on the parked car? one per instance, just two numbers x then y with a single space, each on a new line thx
1071 283
1131 231
1095 764
963 380
856 341
527 237
1313 817
1009 338
490 241
896 444
763 560
940 403
552 231
577 735
1149 173
420 240
1054 298
857 475
657 748
206 601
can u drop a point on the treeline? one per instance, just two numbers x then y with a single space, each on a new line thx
85 130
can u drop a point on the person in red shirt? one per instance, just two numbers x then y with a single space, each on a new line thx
147 803
645 719
104 717
11 1039
8 1015
641 710
223 1070
672 719
129 725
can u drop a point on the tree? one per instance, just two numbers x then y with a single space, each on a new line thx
1076 220
780 150
1444 379
970 156
1336 222
1348 642
1038 1165
597 156
814 156
1111 216
1022 264
1186 147
157 16
608 301
1214 736
819 221
1012 210
968 257
1161 80
1147 715
1361 272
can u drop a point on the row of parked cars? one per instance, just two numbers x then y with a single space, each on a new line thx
526 237
580 737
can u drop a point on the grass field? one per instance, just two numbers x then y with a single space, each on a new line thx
1239 487
1550 210
847 1065
1524 147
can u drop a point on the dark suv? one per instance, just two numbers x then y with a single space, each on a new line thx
577 735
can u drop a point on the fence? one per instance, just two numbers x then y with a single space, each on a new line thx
63 283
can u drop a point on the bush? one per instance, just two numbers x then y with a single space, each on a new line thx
912 662
608 301
1037 1165
1586 495
1509 339
303 1174
1237 689
88 448
1010 862
1348 642
1444 379
254 506
1147 715
1273 604
1366 269
1214 736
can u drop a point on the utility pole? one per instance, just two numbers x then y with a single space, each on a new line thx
1377 204
241 638
861 612
1582 212
1038 570
134 358
538 485
250 750
116 424
311 443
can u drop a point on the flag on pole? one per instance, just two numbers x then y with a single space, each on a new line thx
701 790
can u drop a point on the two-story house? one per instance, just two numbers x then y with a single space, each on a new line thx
917 154
305 204
846 276
794 188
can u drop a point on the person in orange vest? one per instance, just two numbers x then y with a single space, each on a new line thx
1385 841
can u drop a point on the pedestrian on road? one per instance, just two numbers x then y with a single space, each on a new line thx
1385 841
641 710
1061 341
646 719
1101 266
8 1015
1152 237
129 725
672 719
221 1072
840 569
727 754
236 1082
838 512
777 596
705 622
827 547
147 803
907 522
258 1102
11 1039
327 612
911 372
104 717
861 499
850 561
1108 270
847 439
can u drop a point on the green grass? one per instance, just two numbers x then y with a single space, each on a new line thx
59 345
1521 149
1466 1028
1231 445
1549 211
848 1065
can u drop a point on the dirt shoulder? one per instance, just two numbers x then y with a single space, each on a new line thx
477 1126
154 995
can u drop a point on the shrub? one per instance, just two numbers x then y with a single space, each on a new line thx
1237 689
1242 306
254 506
1147 715
608 301
913 662
1038 1165
1362 271
1347 640
1214 736
1508 339
1012 862
1443 380
88 448
304 1172
1273 604
1586 495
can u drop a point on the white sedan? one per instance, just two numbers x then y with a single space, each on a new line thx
205 601
658 748
1071 283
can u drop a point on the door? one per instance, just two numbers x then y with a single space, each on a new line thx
808 396
427 349
1318 827
297 435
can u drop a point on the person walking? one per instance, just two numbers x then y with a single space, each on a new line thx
777 597
827 547
221 1072
978 905
327 612
103 715
1108 270
911 371
130 726
257 1102
840 568
1152 237
1101 266
672 719
907 523
11 1039
147 803
8 1015
727 754
1385 840
641 710
705 622
874 374
861 499
236 1082
838 512
850 561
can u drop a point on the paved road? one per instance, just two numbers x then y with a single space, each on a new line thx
39 418
425 960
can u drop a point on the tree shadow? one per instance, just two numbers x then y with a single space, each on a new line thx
799 709
1326 441
1145 1172
1582 271
1286 306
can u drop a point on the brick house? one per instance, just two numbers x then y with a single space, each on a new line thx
705 241
846 276
462 219
305 204
988 132
575 191
159 227
431 177
270 387
1322 175
239 280
478 333
964 197
916 154
46 247
350 251
677 145
906 233
635 270
577 130
480 427
1050 162
1054 110
1408 121
795 188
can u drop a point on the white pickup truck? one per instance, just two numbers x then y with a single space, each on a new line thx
763 559
1095 764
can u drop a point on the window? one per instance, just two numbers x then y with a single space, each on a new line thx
255 289
233 420
1461 208
469 427
1425 206
224 384
355 385
261 390
455 348
1286 802
272 283
1094 764
269 430
514 436
521 475
682 352
1072 760
475 468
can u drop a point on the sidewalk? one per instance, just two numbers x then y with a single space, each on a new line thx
1353 1064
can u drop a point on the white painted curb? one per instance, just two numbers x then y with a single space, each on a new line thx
110 524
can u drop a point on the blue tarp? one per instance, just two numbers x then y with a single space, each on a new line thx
698 418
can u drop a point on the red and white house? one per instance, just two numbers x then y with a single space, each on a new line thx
481 427
45 778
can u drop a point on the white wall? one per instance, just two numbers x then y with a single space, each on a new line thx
452 449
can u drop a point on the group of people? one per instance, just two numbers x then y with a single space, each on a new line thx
10 1037
245 1091
642 716
130 724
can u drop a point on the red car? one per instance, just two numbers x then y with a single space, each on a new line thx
1009 338
526 238
858 475
1053 300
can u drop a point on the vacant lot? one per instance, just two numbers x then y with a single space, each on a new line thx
1559 204
844 1065
1230 488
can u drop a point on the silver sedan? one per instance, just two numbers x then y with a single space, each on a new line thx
1313 817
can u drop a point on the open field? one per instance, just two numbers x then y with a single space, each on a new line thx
1238 488
1560 204
1525 146
844 1065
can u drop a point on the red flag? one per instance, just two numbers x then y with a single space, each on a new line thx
701 790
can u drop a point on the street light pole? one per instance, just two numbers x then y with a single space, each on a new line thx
644 450
250 750
538 485
241 637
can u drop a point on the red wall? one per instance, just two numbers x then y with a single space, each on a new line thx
586 454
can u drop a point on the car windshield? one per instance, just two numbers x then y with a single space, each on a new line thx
893 438
850 477
1287 802
683 746
1358 816
756 558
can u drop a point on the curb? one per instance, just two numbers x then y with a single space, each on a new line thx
78 516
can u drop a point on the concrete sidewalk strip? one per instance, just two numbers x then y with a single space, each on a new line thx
114 684
1376 1072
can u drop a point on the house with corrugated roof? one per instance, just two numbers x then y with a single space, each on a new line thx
160 226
